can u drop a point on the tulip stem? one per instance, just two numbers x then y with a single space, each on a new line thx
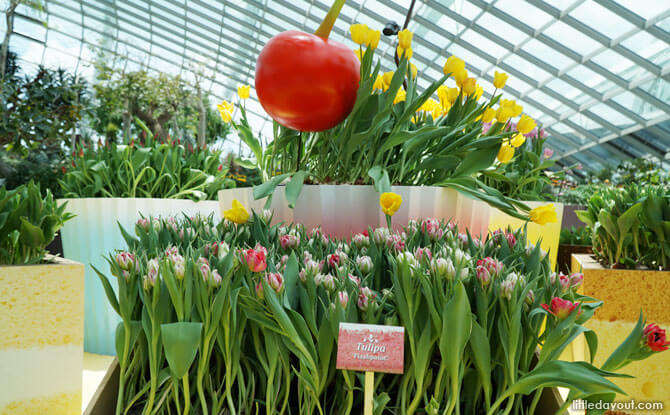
329 21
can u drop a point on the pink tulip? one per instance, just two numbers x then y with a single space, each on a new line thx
255 260
343 297
560 308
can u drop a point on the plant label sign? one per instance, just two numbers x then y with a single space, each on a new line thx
371 348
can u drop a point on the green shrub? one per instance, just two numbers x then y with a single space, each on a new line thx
576 236
169 171
28 223
630 226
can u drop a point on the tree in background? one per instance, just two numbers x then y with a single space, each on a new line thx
166 104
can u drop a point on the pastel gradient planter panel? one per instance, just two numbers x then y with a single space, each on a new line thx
41 345
94 233
549 234
342 210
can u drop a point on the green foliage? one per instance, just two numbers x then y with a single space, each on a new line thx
578 195
166 104
576 236
408 141
527 175
630 226
40 112
219 336
169 171
41 166
28 223
643 171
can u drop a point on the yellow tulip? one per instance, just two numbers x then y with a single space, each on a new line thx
446 106
437 110
525 124
503 114
452 95
479 91
390 202
243 91
517 110
499 79
518 140
359 33
226 110
388 76
406 52
379 83
237 213
405 39
469 86
544 214
460 76
505 153
373 39
453 65
413 69
400 96
488 115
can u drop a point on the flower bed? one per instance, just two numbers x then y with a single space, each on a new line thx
244 317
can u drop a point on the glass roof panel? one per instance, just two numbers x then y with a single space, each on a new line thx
604 21
531 15
645 9
571 38
577 83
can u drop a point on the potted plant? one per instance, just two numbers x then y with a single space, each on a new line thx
629 270
425 144
41 308
573 241
243 317
116 184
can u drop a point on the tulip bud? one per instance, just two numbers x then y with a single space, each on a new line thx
259 289
327 280
364 264
343 297
354 279
408 258
483 275
423 253
216 278
364 297
275 280
125 260
440 267
576 280
380 235
143 224
530 298
333 260
360 240
289 241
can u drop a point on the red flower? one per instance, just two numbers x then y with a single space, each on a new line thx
63 169
655 337
220 167
190 147
132 143
81 152
255 260
561 308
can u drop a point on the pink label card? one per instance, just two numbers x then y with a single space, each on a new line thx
369 347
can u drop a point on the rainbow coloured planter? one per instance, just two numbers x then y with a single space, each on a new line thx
343 210
548 234
94 233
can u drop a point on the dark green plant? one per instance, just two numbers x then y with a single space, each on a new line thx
576 236
171 171
578 195
42 166
28 223
630 226
40 112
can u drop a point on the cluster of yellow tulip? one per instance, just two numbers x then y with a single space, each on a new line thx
226 108
467 86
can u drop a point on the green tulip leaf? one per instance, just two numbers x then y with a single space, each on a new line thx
180 342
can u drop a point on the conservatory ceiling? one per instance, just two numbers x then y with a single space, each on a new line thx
594 73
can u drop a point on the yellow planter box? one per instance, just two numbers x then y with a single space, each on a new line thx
41 346
624 293
549 234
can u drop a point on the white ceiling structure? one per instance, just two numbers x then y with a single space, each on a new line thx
594 73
